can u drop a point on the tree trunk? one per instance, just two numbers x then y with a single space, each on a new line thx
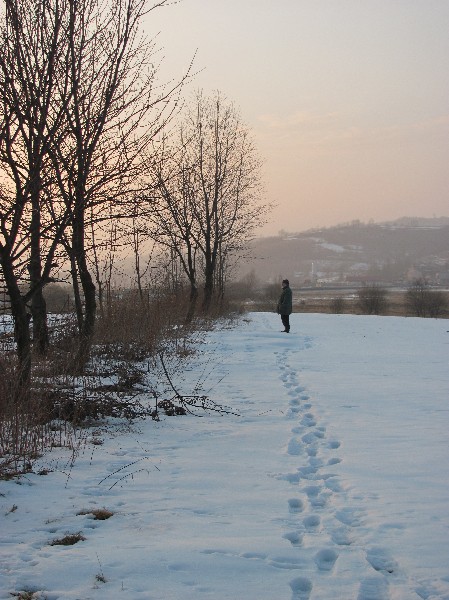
208 284
192 302
88 287
210 260
41 340
38 304
76 288
21 325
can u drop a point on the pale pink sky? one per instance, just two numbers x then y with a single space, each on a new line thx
348 100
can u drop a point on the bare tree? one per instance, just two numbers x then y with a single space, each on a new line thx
112 115
170 216
30 47
78 108
209 195
137 238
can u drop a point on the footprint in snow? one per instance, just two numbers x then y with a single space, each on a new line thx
308 420
287 562
333 484
290 477
295 505
342 537
298 429
374 588
289 384
312 522
325 559
334 444
381 560
316 494
294 447
312 451
312 490
294 537
301 588
350 516
319 501
308 472
309 438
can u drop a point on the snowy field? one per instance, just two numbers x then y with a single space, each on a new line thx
332 482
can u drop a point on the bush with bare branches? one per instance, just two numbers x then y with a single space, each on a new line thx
372 299
422 301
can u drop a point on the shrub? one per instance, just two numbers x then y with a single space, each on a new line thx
372 299
271 293
337 305
134 327
425 302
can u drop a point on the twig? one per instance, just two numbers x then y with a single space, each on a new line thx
126 467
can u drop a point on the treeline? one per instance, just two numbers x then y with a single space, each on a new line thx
96 155
420 299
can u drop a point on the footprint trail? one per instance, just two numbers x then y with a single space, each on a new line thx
325 525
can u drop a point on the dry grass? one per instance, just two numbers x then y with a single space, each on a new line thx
135 327
68 540
99 514
132 329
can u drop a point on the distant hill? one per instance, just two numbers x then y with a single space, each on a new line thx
390 252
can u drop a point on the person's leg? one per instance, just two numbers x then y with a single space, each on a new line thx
286 322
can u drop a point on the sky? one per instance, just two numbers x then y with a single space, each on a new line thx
329 480
347 100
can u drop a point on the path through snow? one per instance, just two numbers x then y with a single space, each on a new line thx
332 483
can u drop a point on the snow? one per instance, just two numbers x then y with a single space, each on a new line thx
328 246
332 482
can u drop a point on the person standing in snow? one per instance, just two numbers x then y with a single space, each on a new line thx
284 307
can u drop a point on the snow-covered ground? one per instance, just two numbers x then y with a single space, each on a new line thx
331 483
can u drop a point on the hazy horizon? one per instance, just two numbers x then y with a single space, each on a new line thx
363 222
348 101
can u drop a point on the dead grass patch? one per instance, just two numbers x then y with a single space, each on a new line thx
68 540
99 514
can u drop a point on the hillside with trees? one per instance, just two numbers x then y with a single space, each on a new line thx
396 252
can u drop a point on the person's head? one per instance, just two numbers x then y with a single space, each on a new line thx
285 283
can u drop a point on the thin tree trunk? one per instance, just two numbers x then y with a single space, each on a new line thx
21 326
208 285
192 303
38 304
88 287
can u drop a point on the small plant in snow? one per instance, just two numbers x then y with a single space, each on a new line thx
68 540
99 514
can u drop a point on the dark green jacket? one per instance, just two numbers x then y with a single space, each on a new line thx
285 302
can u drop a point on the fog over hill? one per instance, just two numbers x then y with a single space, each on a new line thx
393 252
